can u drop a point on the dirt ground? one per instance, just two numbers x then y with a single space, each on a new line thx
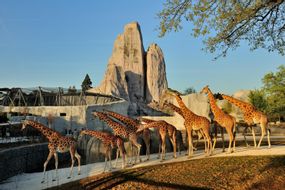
251 172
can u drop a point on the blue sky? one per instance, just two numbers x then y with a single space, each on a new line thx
55 43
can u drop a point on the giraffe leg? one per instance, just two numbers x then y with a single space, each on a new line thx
138 154
56 165
206 131
122 152
110 159
268 138
190 143
173 142
223 138
253 135
162 155
244 135
133 139
72 155
125 158
205 143
78 157
51 152
234 137
147 144
117 156
106 158
215 137
197 140
263 131
229 131
132 152
159 147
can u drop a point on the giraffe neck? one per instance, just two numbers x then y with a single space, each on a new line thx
98 134
124 119
118 128
47 132
147 120
175 108
185 111
215 109
242 105
155 124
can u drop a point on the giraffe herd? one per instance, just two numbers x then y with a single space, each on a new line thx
130 129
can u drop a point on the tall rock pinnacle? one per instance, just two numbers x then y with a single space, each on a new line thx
131 73
156 73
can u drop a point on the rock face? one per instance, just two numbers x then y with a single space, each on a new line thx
131 73
156 73
114 82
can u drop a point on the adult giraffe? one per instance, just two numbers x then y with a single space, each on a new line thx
56 144
251 116
192 122
224 120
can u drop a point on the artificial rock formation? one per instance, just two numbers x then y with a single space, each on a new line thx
132 73
156 73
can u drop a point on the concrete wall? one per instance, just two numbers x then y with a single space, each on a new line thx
22 159
70 117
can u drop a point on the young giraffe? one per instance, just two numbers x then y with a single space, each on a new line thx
135 124
252 116
192 122
178 110
122 131
110 141
164 128
57 143
224 120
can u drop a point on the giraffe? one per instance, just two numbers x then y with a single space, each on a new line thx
178 110
224 120
164 128
252 116
192 122
110 141
133 123
57 143
122 131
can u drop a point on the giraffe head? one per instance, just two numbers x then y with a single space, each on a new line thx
97 114
24 124
168 94
205 90
81 134
173 92
218 96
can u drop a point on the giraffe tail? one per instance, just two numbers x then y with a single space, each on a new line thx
234 128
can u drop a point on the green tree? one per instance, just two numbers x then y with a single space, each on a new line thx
86 84
189 90
258 99
223 24
274 87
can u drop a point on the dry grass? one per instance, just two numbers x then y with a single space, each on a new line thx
256 172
